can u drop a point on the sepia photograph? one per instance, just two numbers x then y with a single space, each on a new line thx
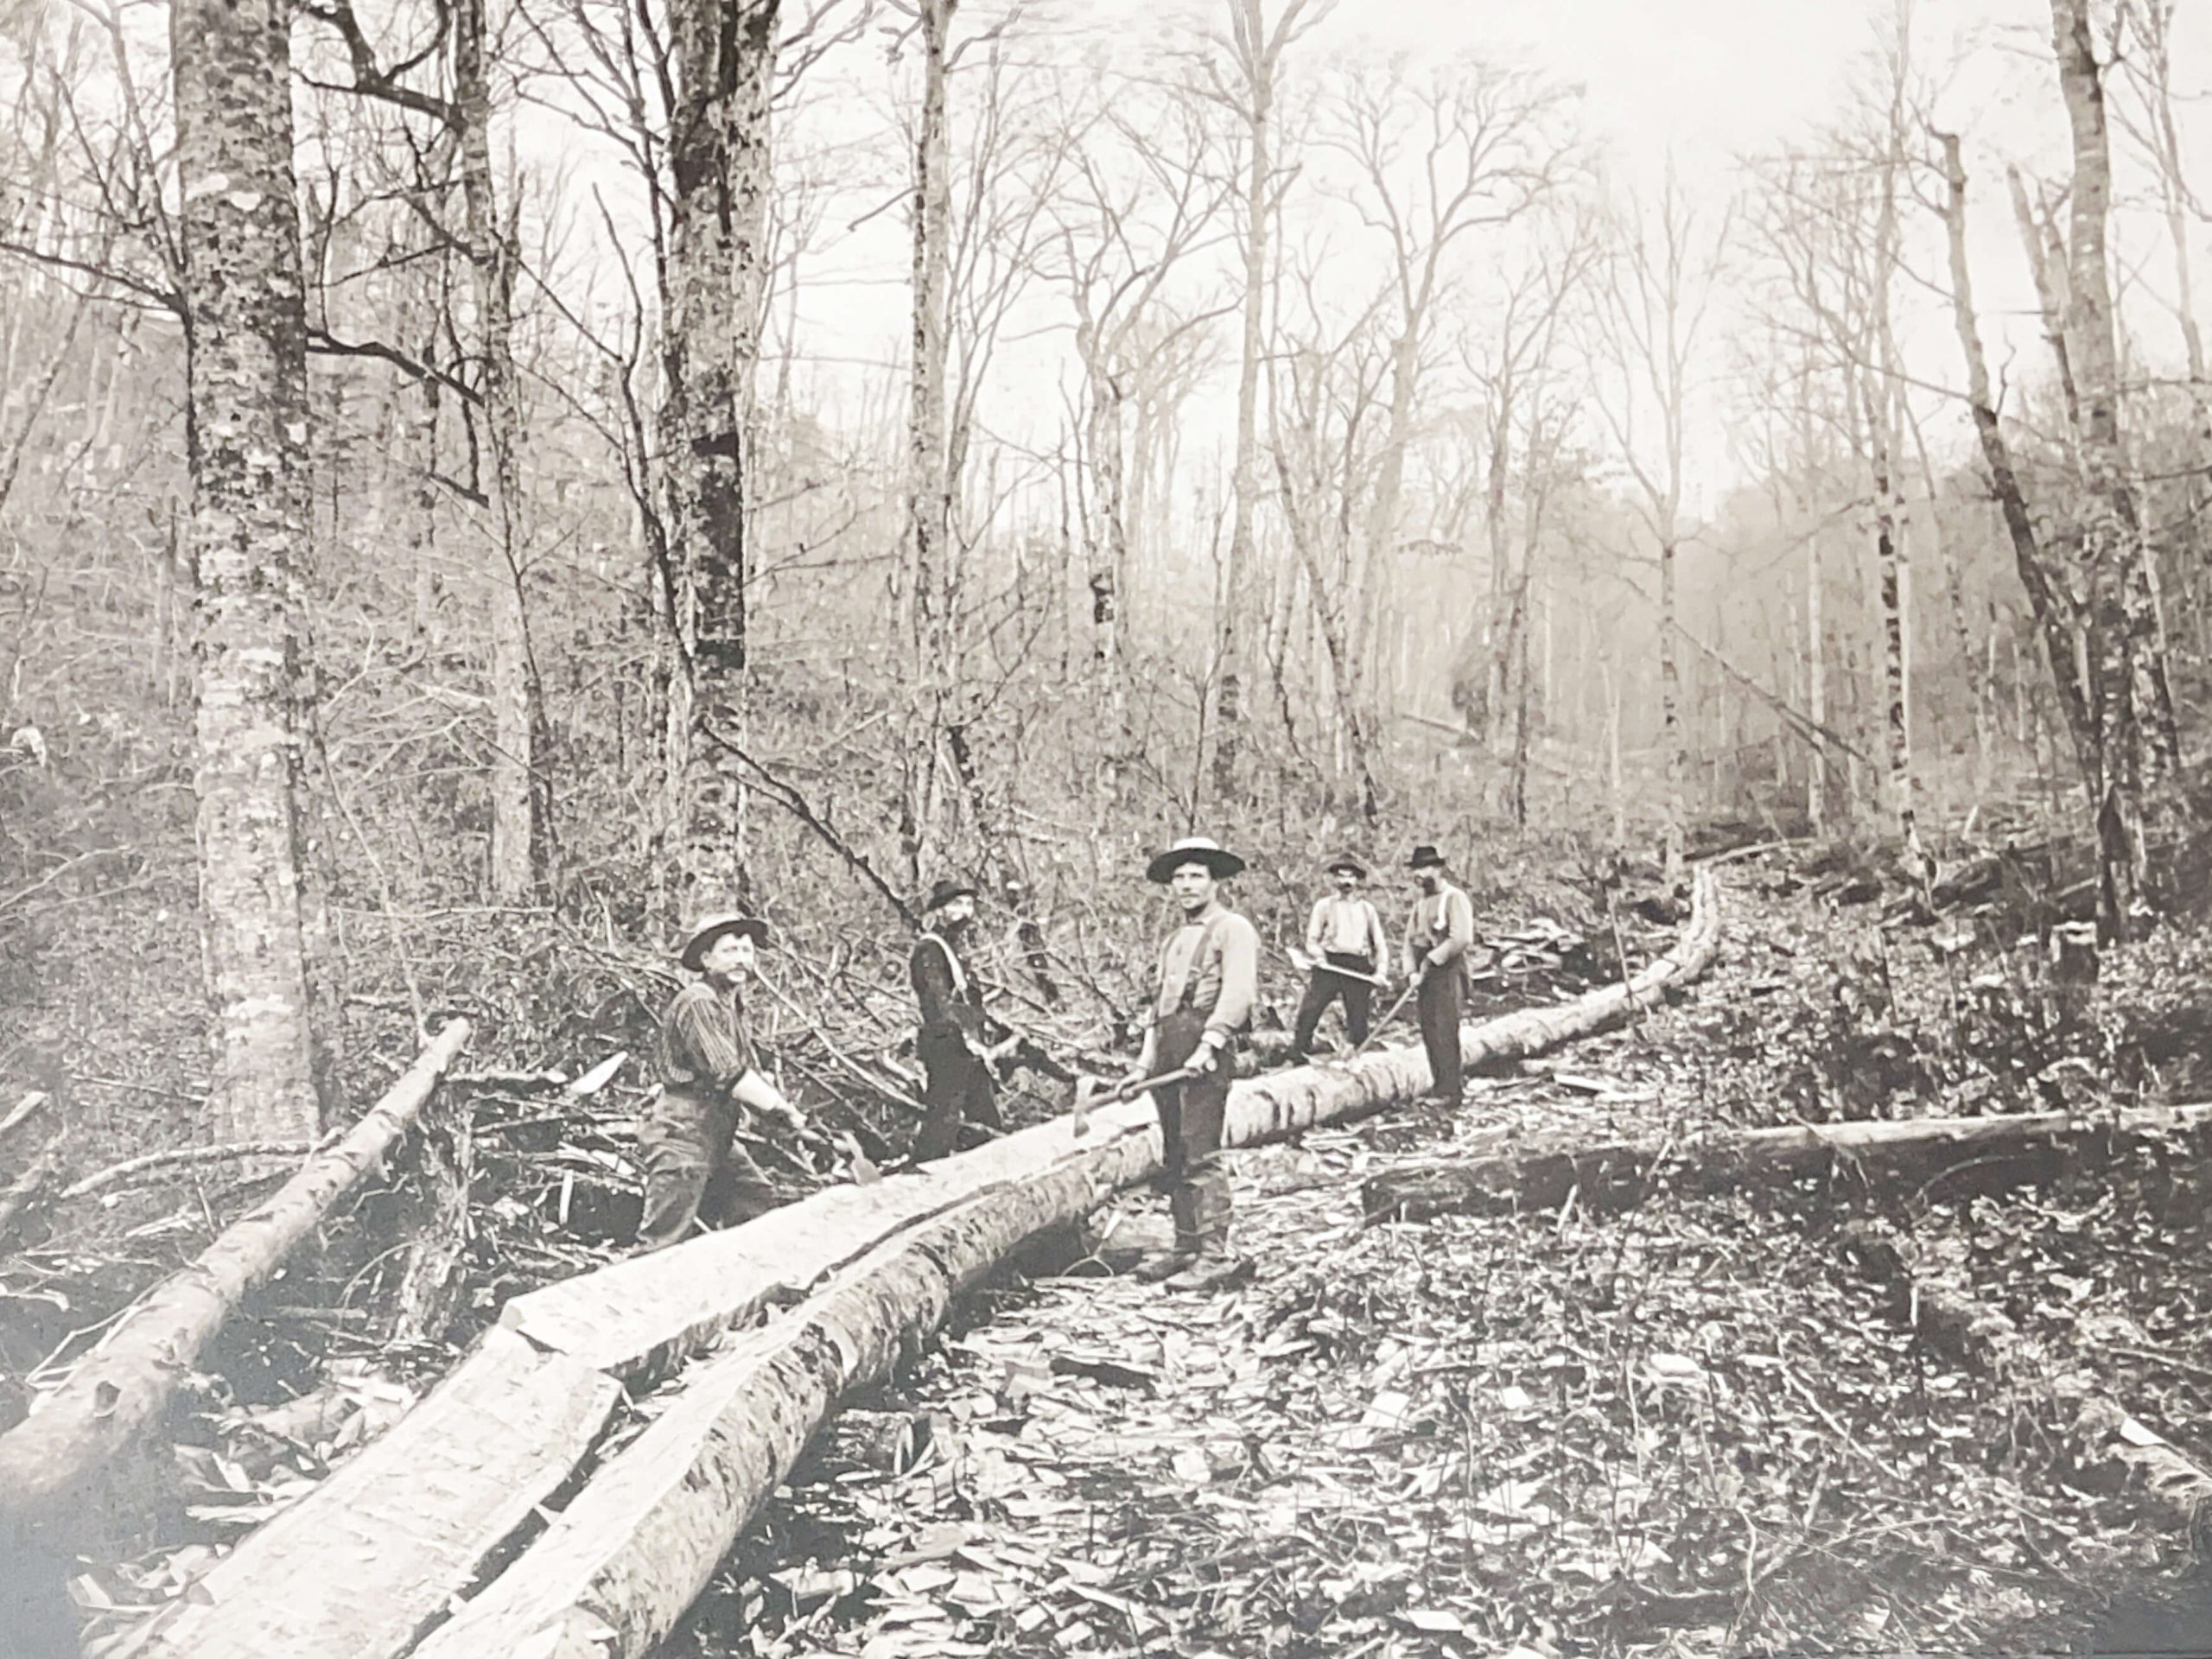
1105 828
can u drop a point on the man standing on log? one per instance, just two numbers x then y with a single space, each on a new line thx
1345 933
1209 980
696 1171
953 1054
1437 938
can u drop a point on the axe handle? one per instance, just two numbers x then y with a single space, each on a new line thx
1388 1013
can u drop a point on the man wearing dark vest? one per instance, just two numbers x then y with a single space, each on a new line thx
1437 936
1208 982
695 1172
954 1056
1345 932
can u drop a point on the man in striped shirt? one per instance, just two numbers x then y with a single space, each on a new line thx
1345 933
695 1172
1202 1009
1437 936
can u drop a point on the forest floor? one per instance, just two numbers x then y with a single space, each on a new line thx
1690 1428
1687 1428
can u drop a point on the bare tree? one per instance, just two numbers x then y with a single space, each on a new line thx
1468 148
247 370
1257 53
1657 294
929 487
2137 750
722 61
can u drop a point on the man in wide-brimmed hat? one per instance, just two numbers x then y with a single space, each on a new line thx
1202 1009
956 1058
1437 936
695 1172
1345 933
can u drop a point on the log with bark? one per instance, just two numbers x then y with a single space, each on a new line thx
2097 1430
486 1447
637 1545
1984 1154
123 1384
860 1275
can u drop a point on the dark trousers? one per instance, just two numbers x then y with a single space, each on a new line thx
959 1091
1441 996
694 1170
1321 990
1191 1118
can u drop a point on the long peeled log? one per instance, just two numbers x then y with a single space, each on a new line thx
122 1385
630 1552
860 1275
636 1546
2099 1430
1986 1153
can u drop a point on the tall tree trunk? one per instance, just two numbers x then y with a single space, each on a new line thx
720 166
1258 53
1494 526
2047 264
929 485
2057 619
246 370
1670 707
518 820
2138 748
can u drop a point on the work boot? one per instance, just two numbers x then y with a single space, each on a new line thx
1218 1268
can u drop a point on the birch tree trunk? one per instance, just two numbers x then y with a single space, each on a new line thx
246 372
2137 750
719 165
929 485
2052 606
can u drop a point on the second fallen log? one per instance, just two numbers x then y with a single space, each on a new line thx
2000 1150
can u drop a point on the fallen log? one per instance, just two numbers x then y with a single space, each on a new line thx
2098 1431
489 1444
860 1273
634 1548
2003 1149
116 1389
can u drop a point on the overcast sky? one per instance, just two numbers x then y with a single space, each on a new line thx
1700 82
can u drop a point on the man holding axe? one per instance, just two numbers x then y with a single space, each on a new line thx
1345 949
1208 982
955 1056
695 1169
1438 934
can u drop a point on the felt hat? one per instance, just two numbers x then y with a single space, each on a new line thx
947 889
1425 857
708 929
1345 861
1194 849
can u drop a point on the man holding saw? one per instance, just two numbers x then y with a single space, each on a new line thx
1345 951
1208 982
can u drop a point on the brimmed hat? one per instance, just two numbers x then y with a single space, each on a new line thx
1194 849
946 890
1425 857
1345 861
708 929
